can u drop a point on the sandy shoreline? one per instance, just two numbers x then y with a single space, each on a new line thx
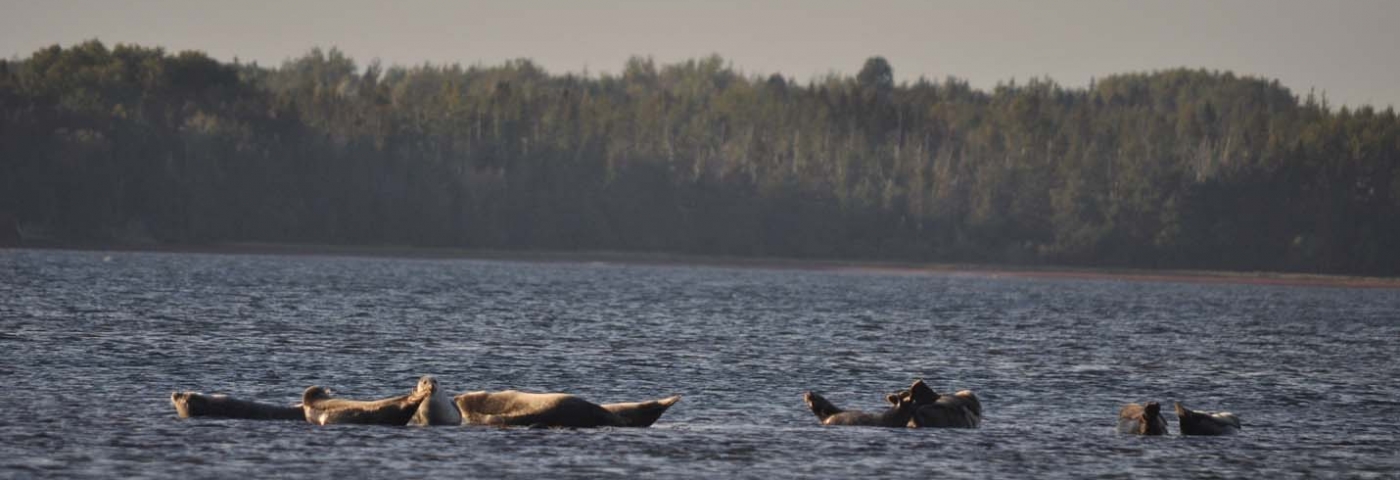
645 258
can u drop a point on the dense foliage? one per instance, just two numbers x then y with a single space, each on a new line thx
1179 168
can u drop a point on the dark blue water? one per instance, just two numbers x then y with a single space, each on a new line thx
92 344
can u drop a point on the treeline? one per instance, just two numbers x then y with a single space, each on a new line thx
1179 168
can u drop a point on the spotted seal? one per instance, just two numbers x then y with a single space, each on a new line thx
195 404
524 409
322 409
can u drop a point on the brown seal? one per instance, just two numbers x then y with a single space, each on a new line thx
905 403
438 408
1206 423
522 409
1142 419
321 409
959 410
195 404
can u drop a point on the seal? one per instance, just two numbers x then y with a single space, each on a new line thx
195 404
1206 423
438 408
514 408
959 410
321 409
904 404
1142 419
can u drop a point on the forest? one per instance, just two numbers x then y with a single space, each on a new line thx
1180 169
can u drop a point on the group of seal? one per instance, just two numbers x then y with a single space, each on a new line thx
915 407
920 407
428 405
1148 420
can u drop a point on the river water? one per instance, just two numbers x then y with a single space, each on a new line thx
92 344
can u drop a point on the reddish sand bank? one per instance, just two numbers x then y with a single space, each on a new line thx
1132 275
1243 278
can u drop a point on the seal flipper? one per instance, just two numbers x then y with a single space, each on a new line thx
820 406
641 414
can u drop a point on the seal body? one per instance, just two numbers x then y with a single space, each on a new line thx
321 409
523 409
904 404
195 404
438 408
959 410
1142 419
1206 423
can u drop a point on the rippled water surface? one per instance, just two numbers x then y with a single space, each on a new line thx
92 344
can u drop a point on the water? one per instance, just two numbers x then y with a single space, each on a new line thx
92 344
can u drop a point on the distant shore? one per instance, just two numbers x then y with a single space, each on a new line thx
652 258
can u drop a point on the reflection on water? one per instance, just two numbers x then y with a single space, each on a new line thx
92 347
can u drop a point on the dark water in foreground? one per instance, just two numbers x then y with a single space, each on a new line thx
90 349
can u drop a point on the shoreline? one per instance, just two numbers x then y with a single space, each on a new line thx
857 266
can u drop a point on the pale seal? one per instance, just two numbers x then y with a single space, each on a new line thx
438 408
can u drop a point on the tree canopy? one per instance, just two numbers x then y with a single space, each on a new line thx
1179 168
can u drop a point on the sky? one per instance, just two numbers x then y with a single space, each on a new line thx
1346 49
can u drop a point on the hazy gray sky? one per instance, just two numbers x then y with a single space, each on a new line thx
1346 48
